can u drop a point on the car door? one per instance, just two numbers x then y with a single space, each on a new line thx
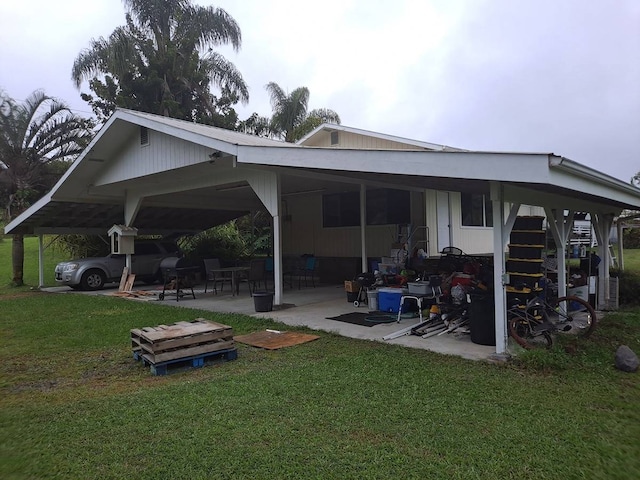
146 259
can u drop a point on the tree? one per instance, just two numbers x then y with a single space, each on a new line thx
635 180
162 61
290 119
38 139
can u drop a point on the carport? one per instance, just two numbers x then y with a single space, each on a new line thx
164 176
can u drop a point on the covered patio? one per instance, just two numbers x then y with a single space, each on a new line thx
162 176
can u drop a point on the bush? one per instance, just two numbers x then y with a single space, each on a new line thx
223 242
629 286
631 238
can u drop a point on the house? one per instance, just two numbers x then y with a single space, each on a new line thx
344 194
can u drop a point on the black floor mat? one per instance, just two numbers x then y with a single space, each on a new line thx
366 319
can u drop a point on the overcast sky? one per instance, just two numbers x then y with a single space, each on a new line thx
552 76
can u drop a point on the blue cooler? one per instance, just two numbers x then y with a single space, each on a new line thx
389 299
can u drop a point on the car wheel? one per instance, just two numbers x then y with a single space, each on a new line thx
93 280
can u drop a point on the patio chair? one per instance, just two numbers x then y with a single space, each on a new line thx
256 274
216 278
306 270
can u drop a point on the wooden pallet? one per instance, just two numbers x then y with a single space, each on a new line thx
195 361
180 341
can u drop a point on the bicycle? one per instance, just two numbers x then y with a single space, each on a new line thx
533 324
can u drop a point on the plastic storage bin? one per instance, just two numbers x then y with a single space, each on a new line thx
389 299
372 300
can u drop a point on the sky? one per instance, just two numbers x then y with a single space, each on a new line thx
549 76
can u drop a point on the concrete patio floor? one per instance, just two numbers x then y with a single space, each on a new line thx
310 307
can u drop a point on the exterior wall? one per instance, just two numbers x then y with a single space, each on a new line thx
302 231
163 153
478 240
353 140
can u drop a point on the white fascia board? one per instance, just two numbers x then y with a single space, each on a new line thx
508 167
565 172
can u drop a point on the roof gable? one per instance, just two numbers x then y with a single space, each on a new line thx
349 137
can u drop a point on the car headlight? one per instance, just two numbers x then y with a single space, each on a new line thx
70 267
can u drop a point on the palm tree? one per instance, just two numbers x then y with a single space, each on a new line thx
290 119
163 61
38 139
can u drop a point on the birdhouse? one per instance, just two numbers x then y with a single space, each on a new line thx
122 239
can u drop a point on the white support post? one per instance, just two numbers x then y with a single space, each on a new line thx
602 226
40 261
277 259
511 220
620 227
561 232
267 186
363 226
500 296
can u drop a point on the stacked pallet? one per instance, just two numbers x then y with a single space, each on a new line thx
182 343
526 243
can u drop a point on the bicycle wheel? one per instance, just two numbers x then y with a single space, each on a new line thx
523 332
574 316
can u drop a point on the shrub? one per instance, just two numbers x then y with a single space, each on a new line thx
223 241
631 238
629 286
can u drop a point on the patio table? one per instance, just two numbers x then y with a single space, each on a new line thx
234 276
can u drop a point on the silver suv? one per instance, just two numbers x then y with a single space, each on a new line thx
92 273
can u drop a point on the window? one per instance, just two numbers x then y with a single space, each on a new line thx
384 207
341 209
335 138
144 136
476 210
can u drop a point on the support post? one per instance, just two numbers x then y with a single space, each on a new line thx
363 226
277 258
560 231
40 261
500 296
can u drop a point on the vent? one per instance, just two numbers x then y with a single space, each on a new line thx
335 138
144 136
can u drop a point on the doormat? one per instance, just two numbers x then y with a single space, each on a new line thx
368 319
274 339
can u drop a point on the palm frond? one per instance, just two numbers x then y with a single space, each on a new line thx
326 115
224 74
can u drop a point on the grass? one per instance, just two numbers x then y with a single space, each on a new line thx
51 258
74 404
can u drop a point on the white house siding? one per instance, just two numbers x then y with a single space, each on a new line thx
353 140
478 240
303 222
163 153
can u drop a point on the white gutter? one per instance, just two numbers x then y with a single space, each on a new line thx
591 174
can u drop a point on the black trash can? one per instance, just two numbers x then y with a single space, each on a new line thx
482 322
263 301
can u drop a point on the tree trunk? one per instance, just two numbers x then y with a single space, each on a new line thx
17 260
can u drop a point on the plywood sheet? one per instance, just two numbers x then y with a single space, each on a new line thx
272 340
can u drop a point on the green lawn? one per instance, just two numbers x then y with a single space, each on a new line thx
51 258
74 404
